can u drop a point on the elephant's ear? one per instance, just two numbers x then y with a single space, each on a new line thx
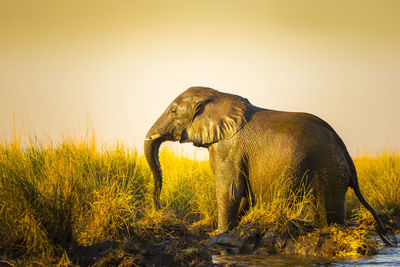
218 118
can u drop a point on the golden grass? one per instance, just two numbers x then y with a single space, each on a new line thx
51 197
188 186
379 178
76 193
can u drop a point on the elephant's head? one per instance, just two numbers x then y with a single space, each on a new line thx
199 115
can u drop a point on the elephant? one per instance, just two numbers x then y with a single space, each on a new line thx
244 141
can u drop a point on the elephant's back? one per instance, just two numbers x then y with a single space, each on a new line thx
297 132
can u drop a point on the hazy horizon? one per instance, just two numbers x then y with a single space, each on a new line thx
119 64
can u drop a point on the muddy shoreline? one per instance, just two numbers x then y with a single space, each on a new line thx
197 249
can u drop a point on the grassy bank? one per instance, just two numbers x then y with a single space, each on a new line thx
54 198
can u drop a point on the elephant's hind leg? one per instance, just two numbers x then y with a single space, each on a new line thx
330 193
334 202
336 214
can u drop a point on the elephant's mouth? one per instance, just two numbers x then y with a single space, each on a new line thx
183 138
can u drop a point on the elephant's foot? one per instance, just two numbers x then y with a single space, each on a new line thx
235 243
227 242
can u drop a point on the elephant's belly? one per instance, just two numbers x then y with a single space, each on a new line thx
275 170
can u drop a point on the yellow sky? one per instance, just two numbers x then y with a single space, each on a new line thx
121 63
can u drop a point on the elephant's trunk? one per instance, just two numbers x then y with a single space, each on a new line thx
152 145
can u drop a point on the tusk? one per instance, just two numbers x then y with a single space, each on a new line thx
154 136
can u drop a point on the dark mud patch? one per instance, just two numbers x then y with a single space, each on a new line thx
180 251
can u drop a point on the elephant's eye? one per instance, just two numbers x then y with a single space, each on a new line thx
173 110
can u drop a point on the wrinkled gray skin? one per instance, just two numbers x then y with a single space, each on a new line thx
245 142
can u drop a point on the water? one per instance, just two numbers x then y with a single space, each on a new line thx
389 256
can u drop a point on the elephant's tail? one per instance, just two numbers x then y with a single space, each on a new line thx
353 183
381 229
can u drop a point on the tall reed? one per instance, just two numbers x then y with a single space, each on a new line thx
54 197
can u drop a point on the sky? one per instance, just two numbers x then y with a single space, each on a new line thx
114 66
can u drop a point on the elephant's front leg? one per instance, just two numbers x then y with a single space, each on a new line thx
230 192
